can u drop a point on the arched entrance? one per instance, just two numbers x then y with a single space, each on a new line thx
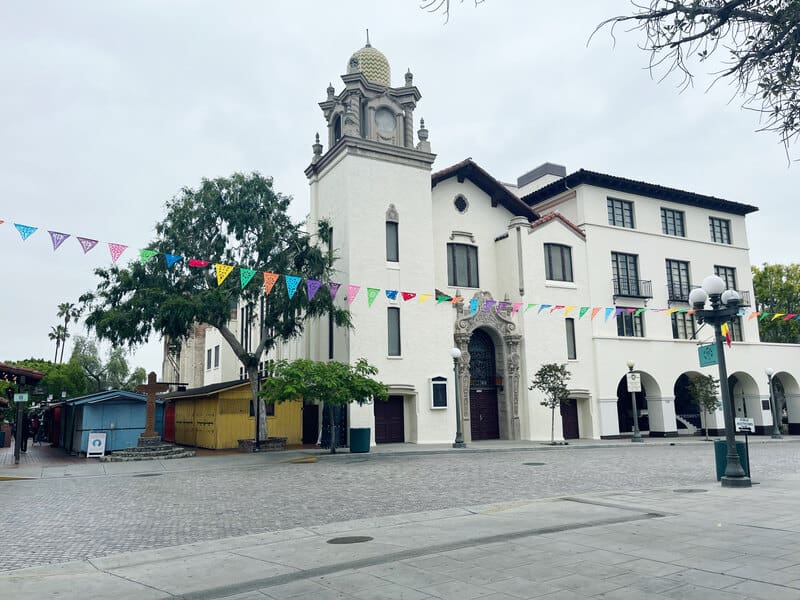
485 420
747 400
687 410
625 407
490 333
787 396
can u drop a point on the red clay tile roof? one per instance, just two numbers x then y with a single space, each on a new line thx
555 215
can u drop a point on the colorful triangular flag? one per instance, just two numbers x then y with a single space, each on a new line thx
116 250
515 307
424 297
609 312
269 281
312 287
25 231
57 238
408 296
292 281
473 306
245 276
222 272
352 292
172 259
582 311
145 255
487 306
198 263
391 294
333 288
86 243
595 310
372 293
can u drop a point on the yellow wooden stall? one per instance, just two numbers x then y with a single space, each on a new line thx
217 416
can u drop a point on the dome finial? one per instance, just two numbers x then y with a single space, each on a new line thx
368 44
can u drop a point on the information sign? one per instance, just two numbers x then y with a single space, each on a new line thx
634 382
707 355
97 445
21 398
745 424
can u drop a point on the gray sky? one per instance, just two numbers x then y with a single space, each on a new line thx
108 108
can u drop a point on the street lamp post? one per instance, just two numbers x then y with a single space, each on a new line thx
459 443
776 431
637 435
724 307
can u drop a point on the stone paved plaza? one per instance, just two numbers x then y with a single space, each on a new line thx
77 514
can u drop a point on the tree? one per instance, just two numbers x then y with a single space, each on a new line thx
57 378
239 221
442 5
760 40
329 383
777 289
551 379
704 389
67 311
56 334
113 373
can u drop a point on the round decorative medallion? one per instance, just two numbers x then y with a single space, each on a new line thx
461 204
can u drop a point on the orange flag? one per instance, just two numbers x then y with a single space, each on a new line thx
269 281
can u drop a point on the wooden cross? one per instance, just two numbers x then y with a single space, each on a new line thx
151 388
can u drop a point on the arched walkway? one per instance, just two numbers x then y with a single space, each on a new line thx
650 413
688 412
787 396
747 401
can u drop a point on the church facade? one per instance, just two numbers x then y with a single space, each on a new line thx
584 269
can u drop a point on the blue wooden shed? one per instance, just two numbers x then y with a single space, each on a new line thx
117 413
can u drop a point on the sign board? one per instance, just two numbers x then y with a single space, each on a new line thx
97 445
634 382
707 355
21 398
745 424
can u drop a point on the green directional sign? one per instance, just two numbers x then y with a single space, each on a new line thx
707 355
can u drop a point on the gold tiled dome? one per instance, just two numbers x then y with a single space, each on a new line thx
372 63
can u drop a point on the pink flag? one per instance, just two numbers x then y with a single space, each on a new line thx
352 292
116 250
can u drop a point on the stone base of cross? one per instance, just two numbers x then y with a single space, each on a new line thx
150 437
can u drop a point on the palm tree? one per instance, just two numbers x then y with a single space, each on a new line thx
55 334
68 311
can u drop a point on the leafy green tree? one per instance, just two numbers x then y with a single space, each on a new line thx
551 379
68 311
239 221
704 389
56 334
329 383
100 374
57 377
777 289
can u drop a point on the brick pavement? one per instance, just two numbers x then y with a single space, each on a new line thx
72 518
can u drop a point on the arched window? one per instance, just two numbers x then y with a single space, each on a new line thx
392 235
337 128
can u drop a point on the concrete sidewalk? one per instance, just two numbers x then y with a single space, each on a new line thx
703 543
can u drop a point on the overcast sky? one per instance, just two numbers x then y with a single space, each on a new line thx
108 108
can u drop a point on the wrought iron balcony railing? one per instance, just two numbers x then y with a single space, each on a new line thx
632 288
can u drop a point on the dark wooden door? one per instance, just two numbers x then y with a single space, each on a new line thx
169 422
569 420
484 420
389 423
310 423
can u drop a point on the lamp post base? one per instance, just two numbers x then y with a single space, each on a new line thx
777 436
459 445
736 482
637 439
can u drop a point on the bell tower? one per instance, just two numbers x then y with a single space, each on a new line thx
372 183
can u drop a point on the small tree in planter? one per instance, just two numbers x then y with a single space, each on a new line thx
704 389
329 383
551 379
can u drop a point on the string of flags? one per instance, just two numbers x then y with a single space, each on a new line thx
312 286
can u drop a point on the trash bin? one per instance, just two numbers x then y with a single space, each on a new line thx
359 439
721 455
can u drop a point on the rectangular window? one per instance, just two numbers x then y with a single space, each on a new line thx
330 337
629 324
392 242
672 222
216 356
683 326
625 268
208 358
620 213
678 285
439 392
727 274
720 230
558 262
394 330
570 325
736 329
462 265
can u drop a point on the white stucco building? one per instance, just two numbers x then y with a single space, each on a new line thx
553 250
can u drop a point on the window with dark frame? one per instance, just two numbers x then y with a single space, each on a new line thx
720 230
393 315
629 324
625 269
462 265
678 285
570 328
735 328
620 213
216 356
558 262
672 222
392 242
684 326
208 359
727 274
439 392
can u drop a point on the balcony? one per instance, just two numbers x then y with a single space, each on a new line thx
678 292
744 294
632 288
